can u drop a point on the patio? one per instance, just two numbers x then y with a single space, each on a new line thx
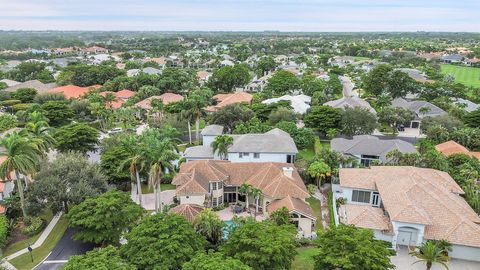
227 214
403 261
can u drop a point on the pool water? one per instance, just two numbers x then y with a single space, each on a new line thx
229 225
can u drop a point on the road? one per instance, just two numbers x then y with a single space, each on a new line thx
347 86
65 248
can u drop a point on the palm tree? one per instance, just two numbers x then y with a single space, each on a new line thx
161 158
430 253
221 144
245 189
196 104
187 114
21 157
135 163
256 193
319 170
38 130
109 98
208 224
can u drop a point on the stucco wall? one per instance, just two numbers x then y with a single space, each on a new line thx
306 225
465 253
208 139
264 157
198 199
381 236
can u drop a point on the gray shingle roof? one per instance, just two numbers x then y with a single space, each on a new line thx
274 141
212 130
370 145
416 105
200 151
35 84
350 102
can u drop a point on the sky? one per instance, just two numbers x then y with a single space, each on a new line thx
242 15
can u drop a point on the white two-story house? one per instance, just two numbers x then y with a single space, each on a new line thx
407 206
273 146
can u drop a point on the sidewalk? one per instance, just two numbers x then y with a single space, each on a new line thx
40 240
323 207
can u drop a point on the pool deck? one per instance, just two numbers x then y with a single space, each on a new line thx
227 214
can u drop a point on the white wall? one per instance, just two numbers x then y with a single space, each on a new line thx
465 253
264 157
420 230
208 139
7 190
381 236
197 199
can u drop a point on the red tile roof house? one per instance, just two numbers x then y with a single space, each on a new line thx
210 183
166 99
121 97
227 99
407 205
73 91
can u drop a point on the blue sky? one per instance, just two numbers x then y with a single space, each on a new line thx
242 15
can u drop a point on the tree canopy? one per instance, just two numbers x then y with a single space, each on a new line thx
282 82
103 219
214 260
323 118
79 137
225 79
107 258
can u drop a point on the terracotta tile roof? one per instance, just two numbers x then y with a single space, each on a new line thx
227 99
202 74
73 91
189 211
121 95
421 196
293 205
194 176
365 216
452 147
166 98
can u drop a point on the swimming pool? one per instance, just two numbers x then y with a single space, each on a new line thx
229 225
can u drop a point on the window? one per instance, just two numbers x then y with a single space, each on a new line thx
361 196
220 185
240 155
214 202
246 154
213 186
256 155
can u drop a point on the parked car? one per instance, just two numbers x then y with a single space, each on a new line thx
115 130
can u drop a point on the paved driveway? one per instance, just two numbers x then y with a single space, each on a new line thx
65 248
148 199
403 261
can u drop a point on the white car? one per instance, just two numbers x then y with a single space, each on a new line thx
115 130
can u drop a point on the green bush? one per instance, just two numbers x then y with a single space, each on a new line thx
303 242
7 121
22 106
3 230
10 102
34 226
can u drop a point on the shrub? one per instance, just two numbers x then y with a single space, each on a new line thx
312 189
34 226
302 242
7 121
10 102
22 106
3 230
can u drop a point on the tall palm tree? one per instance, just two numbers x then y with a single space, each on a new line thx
21 157
221 144
196 104
208 224
109 99
161 158
430 253
39 131
256 193
187 114
135 163
245 189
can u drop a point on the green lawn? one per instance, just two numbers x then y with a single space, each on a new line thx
14 247
469 76
306 154
315 204
304 258
146 189
24 262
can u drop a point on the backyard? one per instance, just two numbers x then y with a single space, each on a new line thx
304 258
468 76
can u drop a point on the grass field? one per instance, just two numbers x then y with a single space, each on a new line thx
317 211
146 189
468 76
304 258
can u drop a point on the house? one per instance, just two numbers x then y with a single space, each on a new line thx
203 76
473 62
227 63
121 97
166 99
366 148
35 84
94 49
9 83
147 70
341 61
227 99
452 147
466 104
211 183
299 103
415 74
417 107
258 84
188 211
452 58
73 91
351 102
273 146
407 206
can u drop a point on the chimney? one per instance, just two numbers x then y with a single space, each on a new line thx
287 171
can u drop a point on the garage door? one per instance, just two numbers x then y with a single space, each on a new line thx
404 238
